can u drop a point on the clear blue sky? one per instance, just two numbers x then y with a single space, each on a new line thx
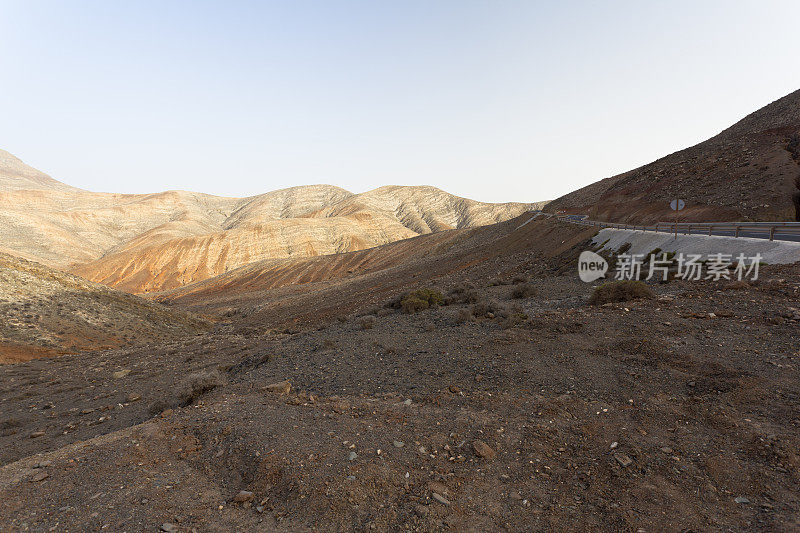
494 100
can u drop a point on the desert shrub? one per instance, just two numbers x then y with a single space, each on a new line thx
620 291
520 278
412 304
197 384
513 320
367 322
523 290
421 299
462 294
489 309
464 315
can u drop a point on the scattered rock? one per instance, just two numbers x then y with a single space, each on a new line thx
666 449
454 389
483 450
41 475
119 374
281 388
42 464
407 402
352 456
398 444
741 499
421 510
623 459
614 444
169 528
441 499
133 398
243 496
37 434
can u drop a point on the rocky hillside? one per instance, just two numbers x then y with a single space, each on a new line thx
46 312
747 172
152 242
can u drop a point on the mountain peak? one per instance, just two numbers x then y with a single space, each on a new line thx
16 176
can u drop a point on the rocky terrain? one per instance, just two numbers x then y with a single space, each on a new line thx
46 312
512 406
151 242
750 171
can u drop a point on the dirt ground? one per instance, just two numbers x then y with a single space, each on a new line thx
678 413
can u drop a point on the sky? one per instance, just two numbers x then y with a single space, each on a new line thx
496 100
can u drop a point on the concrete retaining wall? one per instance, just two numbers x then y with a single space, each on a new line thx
642 242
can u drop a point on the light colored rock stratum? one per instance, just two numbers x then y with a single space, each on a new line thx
151 242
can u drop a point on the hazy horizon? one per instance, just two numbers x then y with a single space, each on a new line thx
501 101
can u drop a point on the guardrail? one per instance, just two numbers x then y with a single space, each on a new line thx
789 231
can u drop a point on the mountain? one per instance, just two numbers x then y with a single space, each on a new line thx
747 172
16 175
310 290
153 242
46 312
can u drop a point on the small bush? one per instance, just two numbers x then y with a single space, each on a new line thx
620 291
367 322
412 304
463 294
489 309
198 384
513 320
420 300
464 315
524 290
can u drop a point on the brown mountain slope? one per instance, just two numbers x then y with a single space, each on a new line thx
309 290
747 172
152 242
46 312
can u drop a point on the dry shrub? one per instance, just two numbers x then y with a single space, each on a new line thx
367 322
462 294
489 309
524 290
513 320
620 291
464 315
197 384
420 300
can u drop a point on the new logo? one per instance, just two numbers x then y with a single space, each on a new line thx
591 266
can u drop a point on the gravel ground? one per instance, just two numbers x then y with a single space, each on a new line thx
673 414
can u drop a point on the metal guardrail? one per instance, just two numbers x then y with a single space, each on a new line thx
789 231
